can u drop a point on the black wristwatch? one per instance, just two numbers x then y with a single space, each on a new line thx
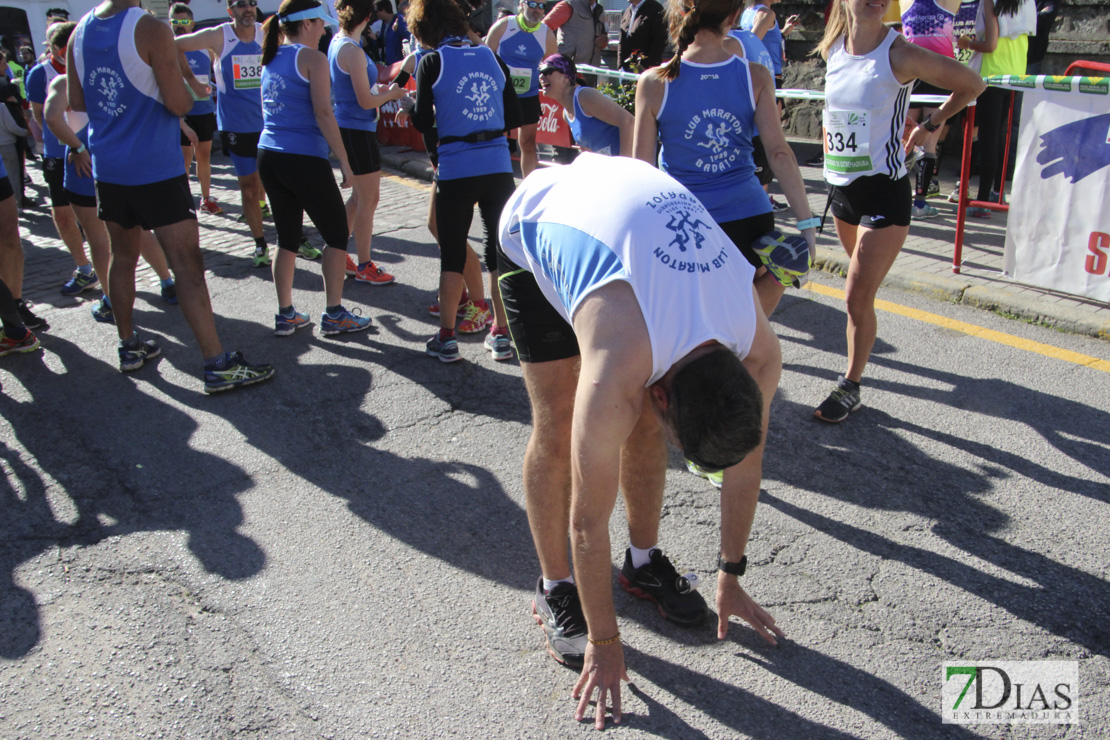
929 126
733 569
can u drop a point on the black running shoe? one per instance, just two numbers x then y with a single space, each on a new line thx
659 582
559 612
842 401
29 319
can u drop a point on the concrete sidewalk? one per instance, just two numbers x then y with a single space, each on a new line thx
925 264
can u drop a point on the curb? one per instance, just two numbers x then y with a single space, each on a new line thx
985 297
951 289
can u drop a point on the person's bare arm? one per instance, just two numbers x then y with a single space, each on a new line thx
353 61
616 364
74 90
649 95
54 113
211 40
764 21
154 43
314 66
740 491
603 108
909 62
779 154
552 45
493 38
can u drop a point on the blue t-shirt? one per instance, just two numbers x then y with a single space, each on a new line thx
289 119
705 127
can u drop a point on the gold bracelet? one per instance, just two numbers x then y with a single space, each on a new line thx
610 641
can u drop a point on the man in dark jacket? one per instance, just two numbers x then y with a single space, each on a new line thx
643 32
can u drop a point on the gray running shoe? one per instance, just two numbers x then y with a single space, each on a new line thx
842 401
559 612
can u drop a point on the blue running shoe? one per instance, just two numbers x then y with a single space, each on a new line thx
132 356
169 292
233 371
286 325
79 283
102 311
447 350
343 322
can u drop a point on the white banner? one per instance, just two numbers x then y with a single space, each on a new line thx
1058 231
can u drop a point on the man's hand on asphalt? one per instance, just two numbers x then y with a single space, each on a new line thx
603 669
732 600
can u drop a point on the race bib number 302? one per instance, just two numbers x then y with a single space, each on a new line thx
522 79
847 141
246 71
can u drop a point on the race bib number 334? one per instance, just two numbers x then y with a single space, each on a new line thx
847 141
246 71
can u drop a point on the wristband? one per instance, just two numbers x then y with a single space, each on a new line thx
809 223
929 126
79 149
733 569
610 641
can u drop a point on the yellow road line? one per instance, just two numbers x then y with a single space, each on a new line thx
976 331
408 182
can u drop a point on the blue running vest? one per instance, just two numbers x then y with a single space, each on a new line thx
348 113
772 40
201 65
37 84
239 83
592 133
522 51
289 120
706 124
133 138
469 99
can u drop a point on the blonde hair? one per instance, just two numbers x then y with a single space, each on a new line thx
840 22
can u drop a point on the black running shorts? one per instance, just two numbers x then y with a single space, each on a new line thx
54 172
203 125
529 110
540 333
874 201
362 150
150 206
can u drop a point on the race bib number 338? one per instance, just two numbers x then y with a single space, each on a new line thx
847 141
246 71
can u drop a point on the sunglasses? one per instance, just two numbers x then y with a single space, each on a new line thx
533 4
243 4
547 71
181 22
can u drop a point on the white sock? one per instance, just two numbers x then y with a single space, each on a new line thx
548 585
640 558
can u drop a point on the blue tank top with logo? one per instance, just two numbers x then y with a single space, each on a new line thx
348 113
592 133
289 121
522 51
124 104
706 125
469 99
239 83
772 40
72 181
201 65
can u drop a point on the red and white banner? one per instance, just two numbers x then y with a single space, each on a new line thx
1058 231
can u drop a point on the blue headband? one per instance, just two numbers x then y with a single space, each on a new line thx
307 15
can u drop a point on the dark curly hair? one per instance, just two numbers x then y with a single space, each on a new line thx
431 21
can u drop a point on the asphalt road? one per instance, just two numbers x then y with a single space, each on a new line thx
344 553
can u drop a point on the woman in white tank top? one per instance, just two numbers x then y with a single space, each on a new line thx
867 87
